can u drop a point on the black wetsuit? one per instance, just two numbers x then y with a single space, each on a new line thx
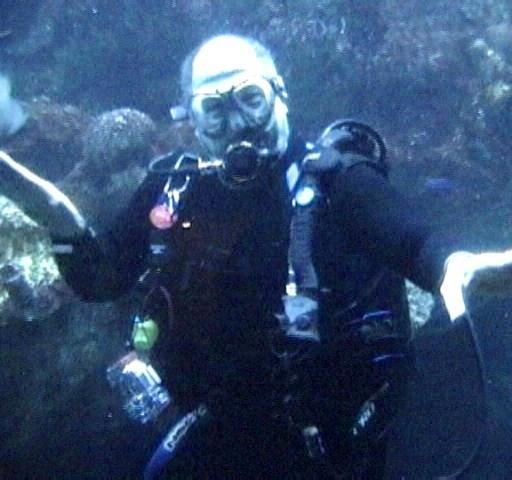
227 275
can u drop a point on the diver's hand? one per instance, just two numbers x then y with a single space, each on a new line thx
39 199
484 273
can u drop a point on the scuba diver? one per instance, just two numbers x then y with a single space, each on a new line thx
283 262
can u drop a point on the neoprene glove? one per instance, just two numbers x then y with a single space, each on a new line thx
40 199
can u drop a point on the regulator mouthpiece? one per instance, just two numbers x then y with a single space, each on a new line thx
242 164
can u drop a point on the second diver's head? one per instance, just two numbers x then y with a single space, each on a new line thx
236 101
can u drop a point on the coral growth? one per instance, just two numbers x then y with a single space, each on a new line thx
118 139
24 246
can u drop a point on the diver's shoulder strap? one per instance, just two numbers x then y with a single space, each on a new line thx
341 146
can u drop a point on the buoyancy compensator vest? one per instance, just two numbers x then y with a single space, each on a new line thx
369 355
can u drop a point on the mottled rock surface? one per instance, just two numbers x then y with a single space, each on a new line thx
25 245
118 139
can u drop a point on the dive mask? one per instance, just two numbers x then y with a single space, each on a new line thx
253 98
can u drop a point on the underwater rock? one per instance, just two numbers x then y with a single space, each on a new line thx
498 92
25 301
492 65
118 139
199 10
51 140
500 36
30 283
485 116
17 286
492 99
37 22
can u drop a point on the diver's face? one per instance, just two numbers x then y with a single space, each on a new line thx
233 109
